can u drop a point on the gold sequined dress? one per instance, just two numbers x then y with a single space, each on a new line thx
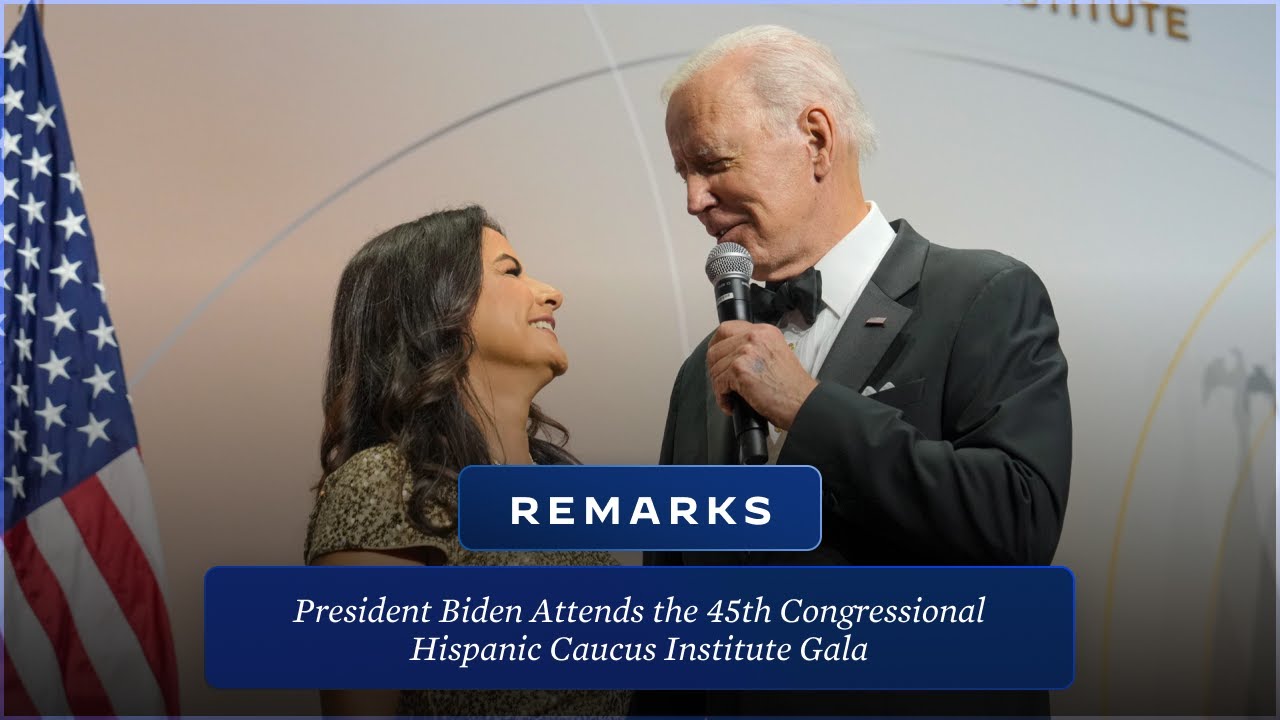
362 506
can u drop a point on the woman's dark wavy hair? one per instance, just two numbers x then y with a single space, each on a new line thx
398 355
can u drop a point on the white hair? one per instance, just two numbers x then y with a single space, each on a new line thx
787 71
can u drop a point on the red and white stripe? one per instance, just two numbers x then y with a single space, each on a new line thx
86 624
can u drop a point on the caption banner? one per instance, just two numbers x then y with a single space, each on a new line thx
942 628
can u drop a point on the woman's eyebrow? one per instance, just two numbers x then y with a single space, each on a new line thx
505 256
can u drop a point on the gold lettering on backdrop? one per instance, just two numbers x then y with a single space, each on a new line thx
1151 18
1176 21
1127 22
1167 20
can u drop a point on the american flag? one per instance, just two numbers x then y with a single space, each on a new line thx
86 628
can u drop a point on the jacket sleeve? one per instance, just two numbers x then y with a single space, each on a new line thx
993 489
666 456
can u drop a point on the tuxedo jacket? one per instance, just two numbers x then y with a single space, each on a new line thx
965 460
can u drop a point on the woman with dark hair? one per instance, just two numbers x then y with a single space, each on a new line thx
440 342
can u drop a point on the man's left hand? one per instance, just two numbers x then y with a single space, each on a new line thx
755 362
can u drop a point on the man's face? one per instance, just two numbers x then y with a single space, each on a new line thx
745 181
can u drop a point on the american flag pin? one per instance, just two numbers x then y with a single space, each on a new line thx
875 322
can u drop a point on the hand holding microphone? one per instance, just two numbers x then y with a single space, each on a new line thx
754 373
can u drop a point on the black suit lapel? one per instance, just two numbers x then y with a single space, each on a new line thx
859 346
863 340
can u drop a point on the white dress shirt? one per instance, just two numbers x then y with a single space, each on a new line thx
846 269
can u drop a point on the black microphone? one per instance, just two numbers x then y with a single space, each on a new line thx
729 268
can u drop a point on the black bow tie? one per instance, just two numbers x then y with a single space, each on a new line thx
803 293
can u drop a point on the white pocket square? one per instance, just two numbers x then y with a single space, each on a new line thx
868 391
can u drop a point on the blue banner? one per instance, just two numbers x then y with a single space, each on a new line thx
642 507
942 628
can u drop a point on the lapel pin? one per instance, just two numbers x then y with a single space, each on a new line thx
875 322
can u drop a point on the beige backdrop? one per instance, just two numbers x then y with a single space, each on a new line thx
219 147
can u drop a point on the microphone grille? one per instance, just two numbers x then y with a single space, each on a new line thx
728 258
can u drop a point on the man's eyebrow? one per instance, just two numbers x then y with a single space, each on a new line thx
702 154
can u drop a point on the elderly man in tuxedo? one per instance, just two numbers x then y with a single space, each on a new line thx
925 383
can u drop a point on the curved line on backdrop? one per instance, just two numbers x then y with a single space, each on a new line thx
934 38
185 324
1109 602
1066 84
1211 616
1125 104
677 295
